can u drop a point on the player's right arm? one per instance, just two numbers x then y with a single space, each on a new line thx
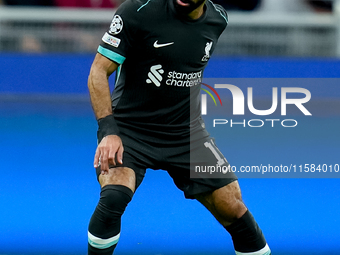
110 148
114 47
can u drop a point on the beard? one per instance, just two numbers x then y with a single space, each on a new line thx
190 6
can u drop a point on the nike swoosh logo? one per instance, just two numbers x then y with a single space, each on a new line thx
156 45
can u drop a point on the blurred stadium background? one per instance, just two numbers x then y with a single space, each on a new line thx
48 189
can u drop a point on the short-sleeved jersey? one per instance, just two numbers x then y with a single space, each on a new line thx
162 57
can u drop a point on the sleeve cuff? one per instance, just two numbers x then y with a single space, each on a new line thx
111 55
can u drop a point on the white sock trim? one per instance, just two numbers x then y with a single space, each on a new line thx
100 243
264 251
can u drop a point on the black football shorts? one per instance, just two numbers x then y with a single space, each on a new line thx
195 164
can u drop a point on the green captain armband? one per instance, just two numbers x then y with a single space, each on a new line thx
107 126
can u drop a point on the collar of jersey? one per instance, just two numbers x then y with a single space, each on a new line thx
186 19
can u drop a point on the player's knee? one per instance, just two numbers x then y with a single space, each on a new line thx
237 209
229 204
231 211
113 201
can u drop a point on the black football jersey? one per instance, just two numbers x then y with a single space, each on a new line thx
162 56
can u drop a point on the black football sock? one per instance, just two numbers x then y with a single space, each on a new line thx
104 226
248 237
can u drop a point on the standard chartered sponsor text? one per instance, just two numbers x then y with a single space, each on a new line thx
184 79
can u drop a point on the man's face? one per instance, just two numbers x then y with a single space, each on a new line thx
187 6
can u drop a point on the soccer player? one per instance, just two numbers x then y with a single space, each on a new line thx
159 49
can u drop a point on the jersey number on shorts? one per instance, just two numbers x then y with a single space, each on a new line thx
215 151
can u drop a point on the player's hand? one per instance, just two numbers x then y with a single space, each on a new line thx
109 151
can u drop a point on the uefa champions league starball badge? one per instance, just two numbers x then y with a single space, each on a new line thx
116 25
